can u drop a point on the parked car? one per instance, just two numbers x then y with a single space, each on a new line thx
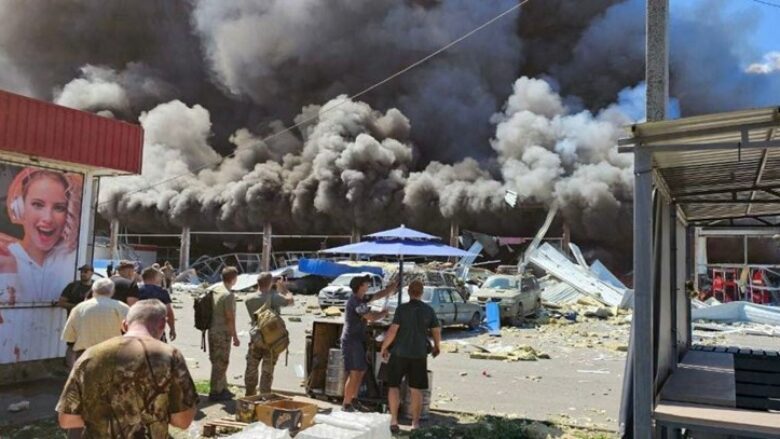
447 302
338 292
518 296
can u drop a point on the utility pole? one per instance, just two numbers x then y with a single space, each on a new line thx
184 249
657 79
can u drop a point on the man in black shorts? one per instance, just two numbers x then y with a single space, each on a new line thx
408 336
353 336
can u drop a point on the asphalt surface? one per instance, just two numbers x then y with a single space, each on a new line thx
578 385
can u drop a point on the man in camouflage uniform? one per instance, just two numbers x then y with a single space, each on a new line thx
221 332
130 386
276 298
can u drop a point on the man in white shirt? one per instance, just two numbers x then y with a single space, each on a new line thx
95 320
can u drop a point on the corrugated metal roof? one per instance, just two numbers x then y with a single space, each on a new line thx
43 130
717 166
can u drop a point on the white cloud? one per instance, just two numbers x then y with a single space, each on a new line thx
771 64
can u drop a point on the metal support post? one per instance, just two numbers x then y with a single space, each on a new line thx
657 79
113 239
184 249
88 212
267 247
454 234
644 387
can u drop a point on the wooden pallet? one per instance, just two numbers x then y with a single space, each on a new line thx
210 428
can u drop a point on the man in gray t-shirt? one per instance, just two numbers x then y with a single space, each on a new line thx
276 298
353 336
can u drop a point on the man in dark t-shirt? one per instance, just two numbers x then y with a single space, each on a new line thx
152 289
408 336
125 287
72 295
77 291
353 347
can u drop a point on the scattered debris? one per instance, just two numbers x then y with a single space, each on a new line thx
332 312
449 348
601 313
19 406
588 284
597 372
463 374
510 353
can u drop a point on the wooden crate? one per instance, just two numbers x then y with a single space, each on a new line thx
211 428
245 407
287 415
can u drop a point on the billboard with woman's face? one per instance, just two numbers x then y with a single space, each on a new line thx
39 230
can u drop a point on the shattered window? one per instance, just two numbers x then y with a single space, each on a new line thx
503 283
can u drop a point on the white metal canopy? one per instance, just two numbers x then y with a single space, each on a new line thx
716 167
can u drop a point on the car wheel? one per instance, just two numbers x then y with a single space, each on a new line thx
475 321
519 318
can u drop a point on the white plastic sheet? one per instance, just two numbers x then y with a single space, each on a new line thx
734 312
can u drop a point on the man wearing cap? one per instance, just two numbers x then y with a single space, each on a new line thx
77 291
353 336
126 288
72 295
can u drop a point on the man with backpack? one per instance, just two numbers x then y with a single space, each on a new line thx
220 332
269 336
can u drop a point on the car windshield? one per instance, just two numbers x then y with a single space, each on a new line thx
502 283
342 281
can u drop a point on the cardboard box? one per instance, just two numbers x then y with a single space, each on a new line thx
245 407
286 414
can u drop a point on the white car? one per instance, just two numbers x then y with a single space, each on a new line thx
338 292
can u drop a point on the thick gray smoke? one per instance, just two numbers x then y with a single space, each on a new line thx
295 53
440 143
348 168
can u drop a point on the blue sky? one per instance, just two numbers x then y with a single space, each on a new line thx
764 36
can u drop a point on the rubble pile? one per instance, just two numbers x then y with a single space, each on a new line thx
509 353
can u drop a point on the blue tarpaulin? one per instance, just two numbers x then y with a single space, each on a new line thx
325 268
398 247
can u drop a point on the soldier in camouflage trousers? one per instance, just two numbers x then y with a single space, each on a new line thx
257 355
254 358
221 331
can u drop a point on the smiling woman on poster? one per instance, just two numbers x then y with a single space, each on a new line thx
46 204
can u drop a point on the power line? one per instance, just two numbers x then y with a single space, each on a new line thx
333 107
767 3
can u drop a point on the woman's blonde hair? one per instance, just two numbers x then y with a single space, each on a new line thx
17 191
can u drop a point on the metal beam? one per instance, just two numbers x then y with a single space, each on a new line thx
760 218
771 192
727 232
702 132
725 201
761 167
673 147
730 190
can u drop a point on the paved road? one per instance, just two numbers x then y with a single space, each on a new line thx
578 384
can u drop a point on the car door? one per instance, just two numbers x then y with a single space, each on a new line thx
461 312
446 309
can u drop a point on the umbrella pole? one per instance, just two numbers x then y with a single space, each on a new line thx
400 278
